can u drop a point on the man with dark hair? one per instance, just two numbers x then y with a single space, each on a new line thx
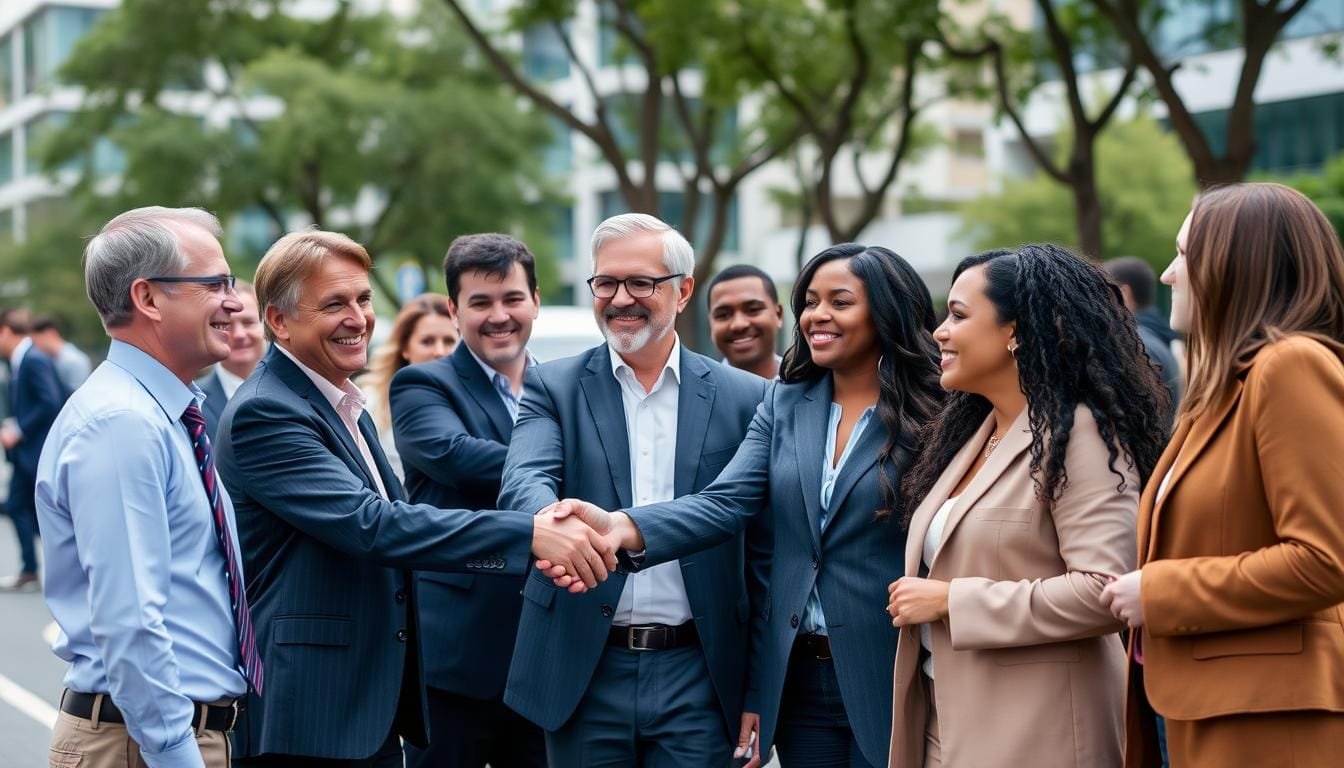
1138 285
744 319
452 420
72 365
35 397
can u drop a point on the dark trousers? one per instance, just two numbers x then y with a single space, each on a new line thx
22 509
469 733
813 729
387 756
645 709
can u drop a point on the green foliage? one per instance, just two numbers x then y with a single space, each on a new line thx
1326 189
1144 180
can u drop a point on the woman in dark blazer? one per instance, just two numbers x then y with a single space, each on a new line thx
823 460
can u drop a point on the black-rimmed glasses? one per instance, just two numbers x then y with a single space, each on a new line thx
214 282
639 287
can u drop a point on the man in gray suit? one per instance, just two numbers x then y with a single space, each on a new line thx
646 669
246 346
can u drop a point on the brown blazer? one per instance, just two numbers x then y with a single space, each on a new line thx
1243 559
1029 668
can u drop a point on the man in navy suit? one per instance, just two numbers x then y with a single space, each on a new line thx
327 536
452 419
246 346
646 669
35 397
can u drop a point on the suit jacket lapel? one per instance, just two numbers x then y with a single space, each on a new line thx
940 492
298 381
695 401
391 482
861 459
603 395
810 418
1016 440
483 392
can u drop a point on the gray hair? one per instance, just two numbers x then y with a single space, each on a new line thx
136 244
678 256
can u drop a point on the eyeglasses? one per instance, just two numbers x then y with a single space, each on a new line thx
219 283
639 287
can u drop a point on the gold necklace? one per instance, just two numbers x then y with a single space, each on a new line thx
991 445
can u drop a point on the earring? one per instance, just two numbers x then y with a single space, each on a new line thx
880 358
1012 350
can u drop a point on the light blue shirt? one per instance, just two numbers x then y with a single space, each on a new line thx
501 383
814 620
135 572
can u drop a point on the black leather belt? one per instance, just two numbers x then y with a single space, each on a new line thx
218 717
653 637
813 647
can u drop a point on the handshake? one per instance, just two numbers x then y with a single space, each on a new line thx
576 543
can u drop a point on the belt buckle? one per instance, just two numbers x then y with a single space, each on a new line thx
630 639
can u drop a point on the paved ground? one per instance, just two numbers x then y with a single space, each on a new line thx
30 675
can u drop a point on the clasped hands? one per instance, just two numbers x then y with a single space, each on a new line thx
575 543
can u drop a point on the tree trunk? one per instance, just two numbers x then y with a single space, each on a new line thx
1087 211
693 324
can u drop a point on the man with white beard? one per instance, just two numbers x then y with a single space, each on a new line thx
646 668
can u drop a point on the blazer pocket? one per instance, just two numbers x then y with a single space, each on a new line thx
1004 514
718 458
1282 639
313 630
538 589
459 580
1048 653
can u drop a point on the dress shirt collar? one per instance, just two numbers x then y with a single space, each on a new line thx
20 349
227 381
167 390
333 394
673 364
494 374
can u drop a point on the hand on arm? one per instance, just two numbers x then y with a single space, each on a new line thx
1122 596
917 601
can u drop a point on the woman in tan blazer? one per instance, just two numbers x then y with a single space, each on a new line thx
1241 534
1028 486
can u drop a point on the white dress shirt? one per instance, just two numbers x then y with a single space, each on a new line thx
933 540
228 382
349 401
655 595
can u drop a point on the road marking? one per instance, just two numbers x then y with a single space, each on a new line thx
27 702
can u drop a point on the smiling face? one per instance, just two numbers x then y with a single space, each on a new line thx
744 321
972 341
495 314
1177 275
195 321
836 320
433 336
630 324
330 328
246 344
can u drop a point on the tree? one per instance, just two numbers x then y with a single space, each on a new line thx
1145 202
379 127
1326 189
1023 61
1255 26
652 118
847 72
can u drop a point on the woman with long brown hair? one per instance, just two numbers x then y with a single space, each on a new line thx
1238 635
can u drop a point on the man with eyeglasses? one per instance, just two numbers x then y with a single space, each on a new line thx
144 573
646 668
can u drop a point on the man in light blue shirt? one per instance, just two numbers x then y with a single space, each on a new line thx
139 538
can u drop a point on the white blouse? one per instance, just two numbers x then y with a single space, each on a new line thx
933 539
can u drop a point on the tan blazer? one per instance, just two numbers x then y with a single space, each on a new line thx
1029 669
1243 559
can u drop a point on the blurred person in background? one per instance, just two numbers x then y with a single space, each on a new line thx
72 365
246 346
744 319
1138 285
35 397
423 330
1237 638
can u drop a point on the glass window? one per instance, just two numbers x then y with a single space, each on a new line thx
544 55
250 233
1290 136
558 157
6 157
6 70
49 37
623 109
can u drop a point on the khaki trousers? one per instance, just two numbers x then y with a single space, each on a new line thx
79 743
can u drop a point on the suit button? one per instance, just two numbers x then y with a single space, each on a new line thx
401 635
793 622
400 596
499 564
607 610
816 562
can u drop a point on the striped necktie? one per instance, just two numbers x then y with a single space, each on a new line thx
242 617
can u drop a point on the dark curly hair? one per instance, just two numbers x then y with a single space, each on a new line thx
902 312
1077 344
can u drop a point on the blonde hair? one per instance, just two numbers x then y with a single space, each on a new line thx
291 260
1264 263
391 357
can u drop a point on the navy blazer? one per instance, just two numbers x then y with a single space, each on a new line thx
778 470
35 398
452 431
323 554
215 400
571 441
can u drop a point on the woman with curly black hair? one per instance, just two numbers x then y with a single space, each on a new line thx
1026 487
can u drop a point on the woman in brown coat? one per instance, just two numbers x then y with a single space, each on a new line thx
1236 606
1027 488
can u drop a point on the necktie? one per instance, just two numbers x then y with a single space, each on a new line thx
242 617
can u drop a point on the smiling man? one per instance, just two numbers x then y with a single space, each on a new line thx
246 346
327 532
744 319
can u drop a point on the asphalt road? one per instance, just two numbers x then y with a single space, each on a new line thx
30 674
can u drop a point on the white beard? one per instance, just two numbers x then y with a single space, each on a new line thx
627 343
